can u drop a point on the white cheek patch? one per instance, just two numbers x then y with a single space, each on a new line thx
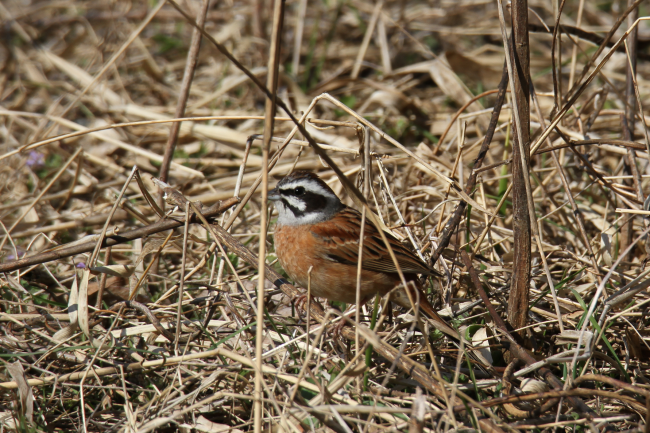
295 203
311 218
287 218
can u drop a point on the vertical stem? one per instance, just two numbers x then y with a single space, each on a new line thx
356 68
300 26
357 315
630 167
471 180
181 286
366 191
373 323
188 75
186 84
269 118
574 52
520 55
559 4
102 281
307 328
556 58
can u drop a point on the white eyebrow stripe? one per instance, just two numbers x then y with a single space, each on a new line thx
309 186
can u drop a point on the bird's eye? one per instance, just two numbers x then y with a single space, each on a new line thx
299 190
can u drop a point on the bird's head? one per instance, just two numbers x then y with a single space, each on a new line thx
303 198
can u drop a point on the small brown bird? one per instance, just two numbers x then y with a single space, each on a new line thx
316 230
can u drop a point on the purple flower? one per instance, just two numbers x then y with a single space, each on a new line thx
13 256
81 265
35 159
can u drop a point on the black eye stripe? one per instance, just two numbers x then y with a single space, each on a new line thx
291 191
313 202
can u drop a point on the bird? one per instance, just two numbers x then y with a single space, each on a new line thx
316 230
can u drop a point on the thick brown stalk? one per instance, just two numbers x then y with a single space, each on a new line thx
520 55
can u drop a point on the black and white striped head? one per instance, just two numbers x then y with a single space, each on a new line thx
303 198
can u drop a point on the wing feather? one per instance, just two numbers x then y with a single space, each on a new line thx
338 240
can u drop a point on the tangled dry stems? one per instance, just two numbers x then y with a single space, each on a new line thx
126 365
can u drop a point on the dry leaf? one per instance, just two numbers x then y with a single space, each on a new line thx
17 373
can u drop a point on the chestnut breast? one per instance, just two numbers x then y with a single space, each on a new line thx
298 248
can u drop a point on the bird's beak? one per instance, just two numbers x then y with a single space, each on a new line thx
274 195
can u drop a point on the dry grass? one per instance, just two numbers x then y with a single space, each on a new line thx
403 69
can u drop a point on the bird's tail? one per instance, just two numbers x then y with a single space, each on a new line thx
400 296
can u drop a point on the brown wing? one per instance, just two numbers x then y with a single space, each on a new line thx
339 241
